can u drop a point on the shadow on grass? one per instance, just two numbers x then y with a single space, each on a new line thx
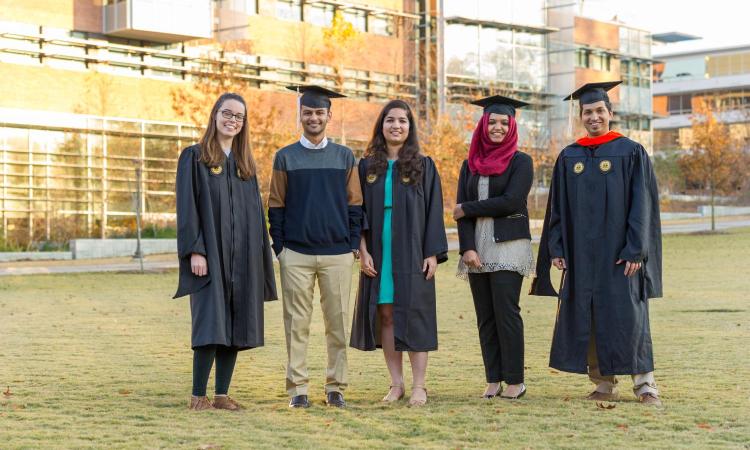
710 310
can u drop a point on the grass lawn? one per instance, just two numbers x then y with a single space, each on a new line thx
104 360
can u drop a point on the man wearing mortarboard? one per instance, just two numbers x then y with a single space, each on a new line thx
315 209
602 229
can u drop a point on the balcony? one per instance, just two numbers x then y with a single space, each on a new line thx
165 21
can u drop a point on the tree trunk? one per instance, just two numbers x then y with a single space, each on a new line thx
713 214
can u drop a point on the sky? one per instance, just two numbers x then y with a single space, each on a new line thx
720 23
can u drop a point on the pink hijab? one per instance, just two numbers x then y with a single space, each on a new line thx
490 158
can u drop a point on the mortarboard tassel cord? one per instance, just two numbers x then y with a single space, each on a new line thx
299 105
570 119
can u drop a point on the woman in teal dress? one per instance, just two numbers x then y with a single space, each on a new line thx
403 241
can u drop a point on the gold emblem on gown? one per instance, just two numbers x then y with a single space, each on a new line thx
605 165
578 167
216 170
372 178
405 180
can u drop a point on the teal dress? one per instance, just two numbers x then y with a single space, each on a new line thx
386 269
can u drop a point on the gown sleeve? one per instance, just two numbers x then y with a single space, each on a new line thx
466 225
189 231
190 237
551 240
269 279
638 222
362 169
643 236
435 241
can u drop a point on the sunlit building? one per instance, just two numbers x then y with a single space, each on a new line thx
588 50
720 77
87 94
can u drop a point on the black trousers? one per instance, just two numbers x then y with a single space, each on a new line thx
496 301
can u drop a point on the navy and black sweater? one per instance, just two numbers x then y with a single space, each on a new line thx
315 201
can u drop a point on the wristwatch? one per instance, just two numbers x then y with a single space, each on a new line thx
356 253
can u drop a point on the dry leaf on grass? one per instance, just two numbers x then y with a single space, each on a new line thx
606 405
124 392
7 392
623 427
705 426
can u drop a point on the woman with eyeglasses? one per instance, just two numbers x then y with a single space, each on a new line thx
223 248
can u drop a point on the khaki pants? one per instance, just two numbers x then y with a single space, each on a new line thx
334 274
642 382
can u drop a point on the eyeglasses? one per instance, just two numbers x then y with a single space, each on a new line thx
227 114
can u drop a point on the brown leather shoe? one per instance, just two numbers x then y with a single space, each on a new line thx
603 396
226 402
200 403
649 399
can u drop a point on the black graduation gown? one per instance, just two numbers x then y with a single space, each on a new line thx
603 206
219 215
418 232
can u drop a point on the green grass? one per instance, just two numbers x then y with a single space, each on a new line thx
103 360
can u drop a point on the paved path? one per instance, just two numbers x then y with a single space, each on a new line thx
158 263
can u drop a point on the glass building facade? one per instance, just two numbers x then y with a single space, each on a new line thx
497 50
66 175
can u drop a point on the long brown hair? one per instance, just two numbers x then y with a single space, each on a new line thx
211 152
409 162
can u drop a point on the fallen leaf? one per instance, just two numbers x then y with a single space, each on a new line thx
566 399
17 406
124 392
606 405
461 316
705 426
553 372
7 392
623 427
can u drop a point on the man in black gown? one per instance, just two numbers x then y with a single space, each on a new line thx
602 229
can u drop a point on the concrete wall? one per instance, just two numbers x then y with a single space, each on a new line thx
34 256
110 248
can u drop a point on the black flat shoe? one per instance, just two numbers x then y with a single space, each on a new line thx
521 394
299 401
335 399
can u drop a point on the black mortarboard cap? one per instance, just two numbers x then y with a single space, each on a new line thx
500 105
593 92
315 96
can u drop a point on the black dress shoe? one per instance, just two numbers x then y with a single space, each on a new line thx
299 401
335 399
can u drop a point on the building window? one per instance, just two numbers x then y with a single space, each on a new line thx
594 60
248 7
318 14
289 9
357 18
381 25
723 65
679 104
582 58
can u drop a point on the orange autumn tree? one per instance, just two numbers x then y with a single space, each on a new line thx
446 143
225 72
340 45
713 157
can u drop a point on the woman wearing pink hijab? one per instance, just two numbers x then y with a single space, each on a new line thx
495 241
